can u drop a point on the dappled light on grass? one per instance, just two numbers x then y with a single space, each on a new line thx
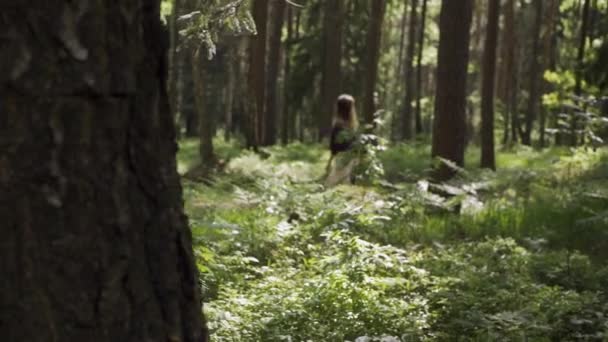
283 258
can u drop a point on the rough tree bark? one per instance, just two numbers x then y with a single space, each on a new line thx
419 68
399 70
95 245
580 59
488 159
274 62
546 61
174 64
374 38
333 19
409 73
580 65
288 121
506 78
535 71
450 100
205 117
229 91
257 74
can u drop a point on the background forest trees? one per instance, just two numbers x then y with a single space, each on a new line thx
385 53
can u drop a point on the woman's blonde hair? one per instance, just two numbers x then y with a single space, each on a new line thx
346 114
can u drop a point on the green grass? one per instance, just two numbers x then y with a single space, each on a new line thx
282 258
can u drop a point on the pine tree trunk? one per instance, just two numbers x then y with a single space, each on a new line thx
513 76
174 63
450 100
274 62
580 61
205 118
333 17
396 122
419 68
533 100
507 79
546 60
374 38
409 73
257 74
488 159
229 92
95 245
288 120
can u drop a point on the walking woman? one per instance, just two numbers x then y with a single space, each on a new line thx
343 136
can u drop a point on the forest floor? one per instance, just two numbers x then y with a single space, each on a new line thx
284 259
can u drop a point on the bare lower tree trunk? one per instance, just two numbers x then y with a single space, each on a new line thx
580 61
333 17
450 101
288 121
257 73
507 79
274 62
409 73
229 94
535 69
395 122
374 38
174 64
419 68
488 159
546 58
95 245
205 118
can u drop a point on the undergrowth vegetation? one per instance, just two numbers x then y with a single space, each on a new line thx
515 255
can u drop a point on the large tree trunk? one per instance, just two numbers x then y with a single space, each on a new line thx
95 245
535 70
419 68
333 18
274 63
449 131
488 159
257 74
374 38
409 73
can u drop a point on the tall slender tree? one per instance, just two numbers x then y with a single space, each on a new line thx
395 128
534 74
547 54
175 61
257 74
507 77
95 243
580 65
374 37
488 159
410 87
288 121
450 99
333 19
419 67
205 117
274 62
